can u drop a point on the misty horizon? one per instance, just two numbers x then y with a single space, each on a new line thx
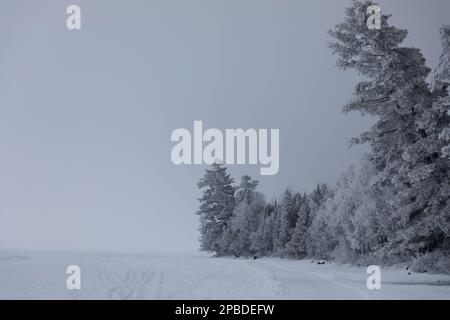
86 117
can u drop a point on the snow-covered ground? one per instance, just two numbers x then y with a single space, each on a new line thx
42 275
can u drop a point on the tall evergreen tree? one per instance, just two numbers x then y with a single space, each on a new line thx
404 139
441 84
441 90
216 208
441 74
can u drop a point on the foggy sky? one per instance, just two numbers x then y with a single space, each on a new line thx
86 116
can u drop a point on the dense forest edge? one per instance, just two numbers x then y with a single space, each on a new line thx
391 207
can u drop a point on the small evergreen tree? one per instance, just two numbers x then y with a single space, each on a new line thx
297 246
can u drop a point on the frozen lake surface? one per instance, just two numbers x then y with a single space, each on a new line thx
42 275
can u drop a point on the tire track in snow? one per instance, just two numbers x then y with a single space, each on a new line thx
134 283
329 278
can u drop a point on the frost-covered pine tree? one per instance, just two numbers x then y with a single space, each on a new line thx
441 84
287 218
438 258
406 152
246 216
441 74
318 196
297 246
246 190
216 208
354 223
262 242
430 232
320 238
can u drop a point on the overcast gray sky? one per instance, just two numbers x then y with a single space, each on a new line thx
86 116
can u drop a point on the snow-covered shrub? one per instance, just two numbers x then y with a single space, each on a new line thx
433 262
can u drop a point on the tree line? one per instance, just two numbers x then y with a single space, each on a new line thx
393 205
